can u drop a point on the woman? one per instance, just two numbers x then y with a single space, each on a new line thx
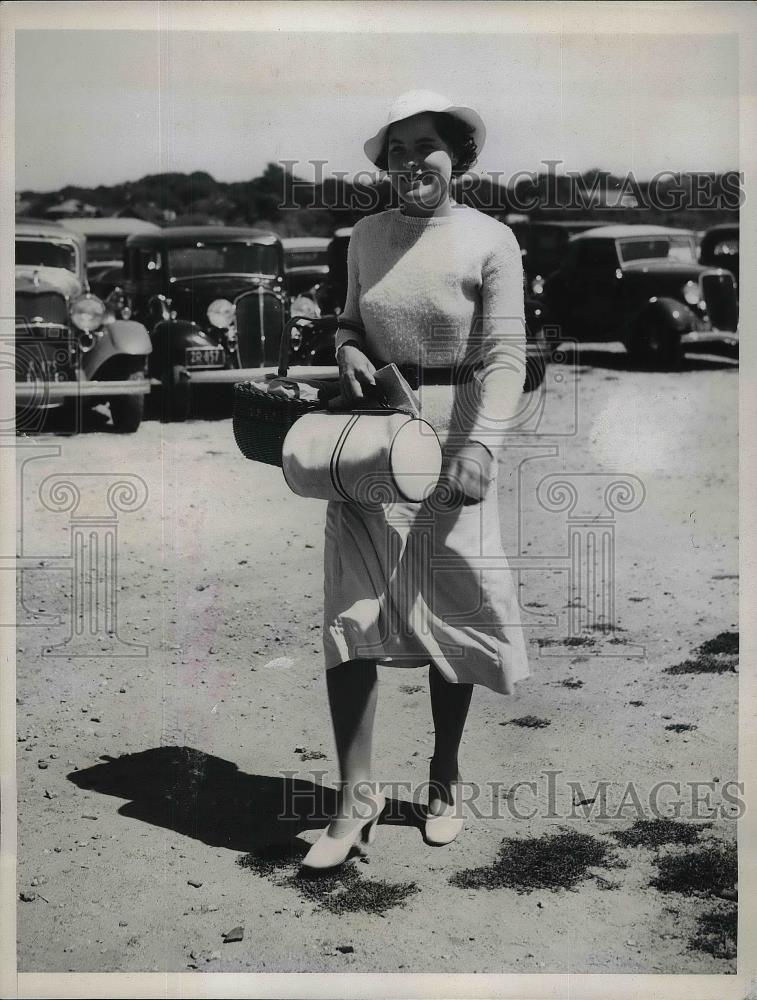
436 288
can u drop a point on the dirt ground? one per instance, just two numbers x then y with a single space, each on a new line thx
151 787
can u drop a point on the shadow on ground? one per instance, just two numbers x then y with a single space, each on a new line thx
211 800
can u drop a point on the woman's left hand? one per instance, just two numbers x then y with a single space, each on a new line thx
468 472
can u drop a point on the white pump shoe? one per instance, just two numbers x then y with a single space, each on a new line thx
329 851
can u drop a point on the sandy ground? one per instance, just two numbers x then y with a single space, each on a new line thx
141 775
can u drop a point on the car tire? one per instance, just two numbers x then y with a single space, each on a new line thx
126 412
655 346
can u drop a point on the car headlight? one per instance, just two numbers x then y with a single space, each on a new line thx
88 313
691 293
221 314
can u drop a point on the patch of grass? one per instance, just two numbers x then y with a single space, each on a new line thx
636 703
656 832
724 642
570 640
411 688
715 656
528 722
708 870
680 727
554 862
344 891
716 933
312 755
339 890
272 859
704 664
572 682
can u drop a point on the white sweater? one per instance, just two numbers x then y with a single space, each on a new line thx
437 291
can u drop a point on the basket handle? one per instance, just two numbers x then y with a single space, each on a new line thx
286 342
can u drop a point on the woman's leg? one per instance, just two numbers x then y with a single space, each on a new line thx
449 708
352 689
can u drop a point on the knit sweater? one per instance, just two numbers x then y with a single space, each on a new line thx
439 291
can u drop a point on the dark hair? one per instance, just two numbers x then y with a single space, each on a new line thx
456 134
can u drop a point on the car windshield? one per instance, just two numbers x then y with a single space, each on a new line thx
657 247
101 248
45 253
222 258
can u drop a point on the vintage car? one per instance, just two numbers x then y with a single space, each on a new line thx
214 299
720 248
642 285
106 239
70 346
543 244
306 262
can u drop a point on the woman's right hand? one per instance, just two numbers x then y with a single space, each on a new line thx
355 371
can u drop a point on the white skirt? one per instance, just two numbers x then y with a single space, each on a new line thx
411 584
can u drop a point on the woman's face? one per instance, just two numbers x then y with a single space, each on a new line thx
419 162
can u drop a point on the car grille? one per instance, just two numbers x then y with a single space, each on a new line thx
260 323
719 293
45 353
45 307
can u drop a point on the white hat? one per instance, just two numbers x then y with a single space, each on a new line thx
414 102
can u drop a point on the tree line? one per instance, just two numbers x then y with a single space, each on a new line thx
279 200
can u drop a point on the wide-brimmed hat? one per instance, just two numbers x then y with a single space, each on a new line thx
414 102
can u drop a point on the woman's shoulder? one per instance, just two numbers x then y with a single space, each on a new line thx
374 222
495 235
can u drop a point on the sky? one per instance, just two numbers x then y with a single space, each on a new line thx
96 107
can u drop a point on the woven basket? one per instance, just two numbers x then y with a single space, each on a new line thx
261 421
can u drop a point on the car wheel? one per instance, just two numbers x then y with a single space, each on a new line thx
656 346
127 411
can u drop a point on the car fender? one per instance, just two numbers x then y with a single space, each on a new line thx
122 338
129 337
170 337
673 313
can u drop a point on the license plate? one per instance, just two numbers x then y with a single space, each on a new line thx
204 357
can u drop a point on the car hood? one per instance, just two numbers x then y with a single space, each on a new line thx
47 279
190 297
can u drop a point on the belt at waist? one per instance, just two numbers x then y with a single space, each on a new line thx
417 375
